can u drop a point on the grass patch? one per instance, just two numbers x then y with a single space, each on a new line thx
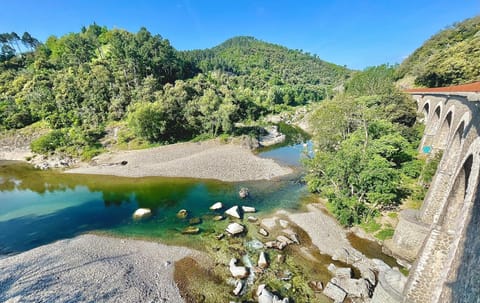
385 234
393 215
371 226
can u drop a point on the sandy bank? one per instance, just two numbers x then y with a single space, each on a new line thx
92 268
208 160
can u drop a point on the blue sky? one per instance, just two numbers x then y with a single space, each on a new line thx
356 33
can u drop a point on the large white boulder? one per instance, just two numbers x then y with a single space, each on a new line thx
233 212
235 228
216 206
142 213
248 209
265 296
238 272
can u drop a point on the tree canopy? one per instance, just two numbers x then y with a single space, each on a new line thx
80 82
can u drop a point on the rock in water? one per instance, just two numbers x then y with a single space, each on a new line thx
263 232
243 193
238 288
216 206
252 219
248 209
233 212
238 272
235 228
191 230
265 296
194 221
218 218
142 213
182 214
262 260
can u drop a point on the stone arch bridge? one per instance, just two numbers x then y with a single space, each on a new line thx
442 239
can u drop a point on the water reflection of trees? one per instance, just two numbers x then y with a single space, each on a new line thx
150 192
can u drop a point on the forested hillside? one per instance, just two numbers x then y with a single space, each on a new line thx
450 57
80 83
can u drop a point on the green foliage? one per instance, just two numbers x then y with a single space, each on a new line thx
49 142
450 57
371 226
385 234
362 150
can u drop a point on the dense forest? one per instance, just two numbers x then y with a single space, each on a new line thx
448 58
80 83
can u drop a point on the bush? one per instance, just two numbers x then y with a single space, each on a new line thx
49 142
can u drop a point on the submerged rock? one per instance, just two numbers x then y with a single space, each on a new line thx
252 219
243 193
216 206
194 221
142 213
233 212
190 230
235 228
182 214
218 218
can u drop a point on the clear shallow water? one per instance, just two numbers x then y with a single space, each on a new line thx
39 207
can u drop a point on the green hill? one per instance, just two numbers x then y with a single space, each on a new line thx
450 57
272 63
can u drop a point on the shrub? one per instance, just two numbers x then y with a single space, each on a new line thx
49 142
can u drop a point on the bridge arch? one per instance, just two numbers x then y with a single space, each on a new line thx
456 143
426 111
443 133
457 195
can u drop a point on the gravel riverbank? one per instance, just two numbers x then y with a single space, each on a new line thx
91 268
208 160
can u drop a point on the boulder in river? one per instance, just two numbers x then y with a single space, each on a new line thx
182 214
191 230
218 218
248 209
233 212
243 193
262 260
216 206
235 228
238 272
265 296
238 287
194 221
252 219
263 232
142 213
